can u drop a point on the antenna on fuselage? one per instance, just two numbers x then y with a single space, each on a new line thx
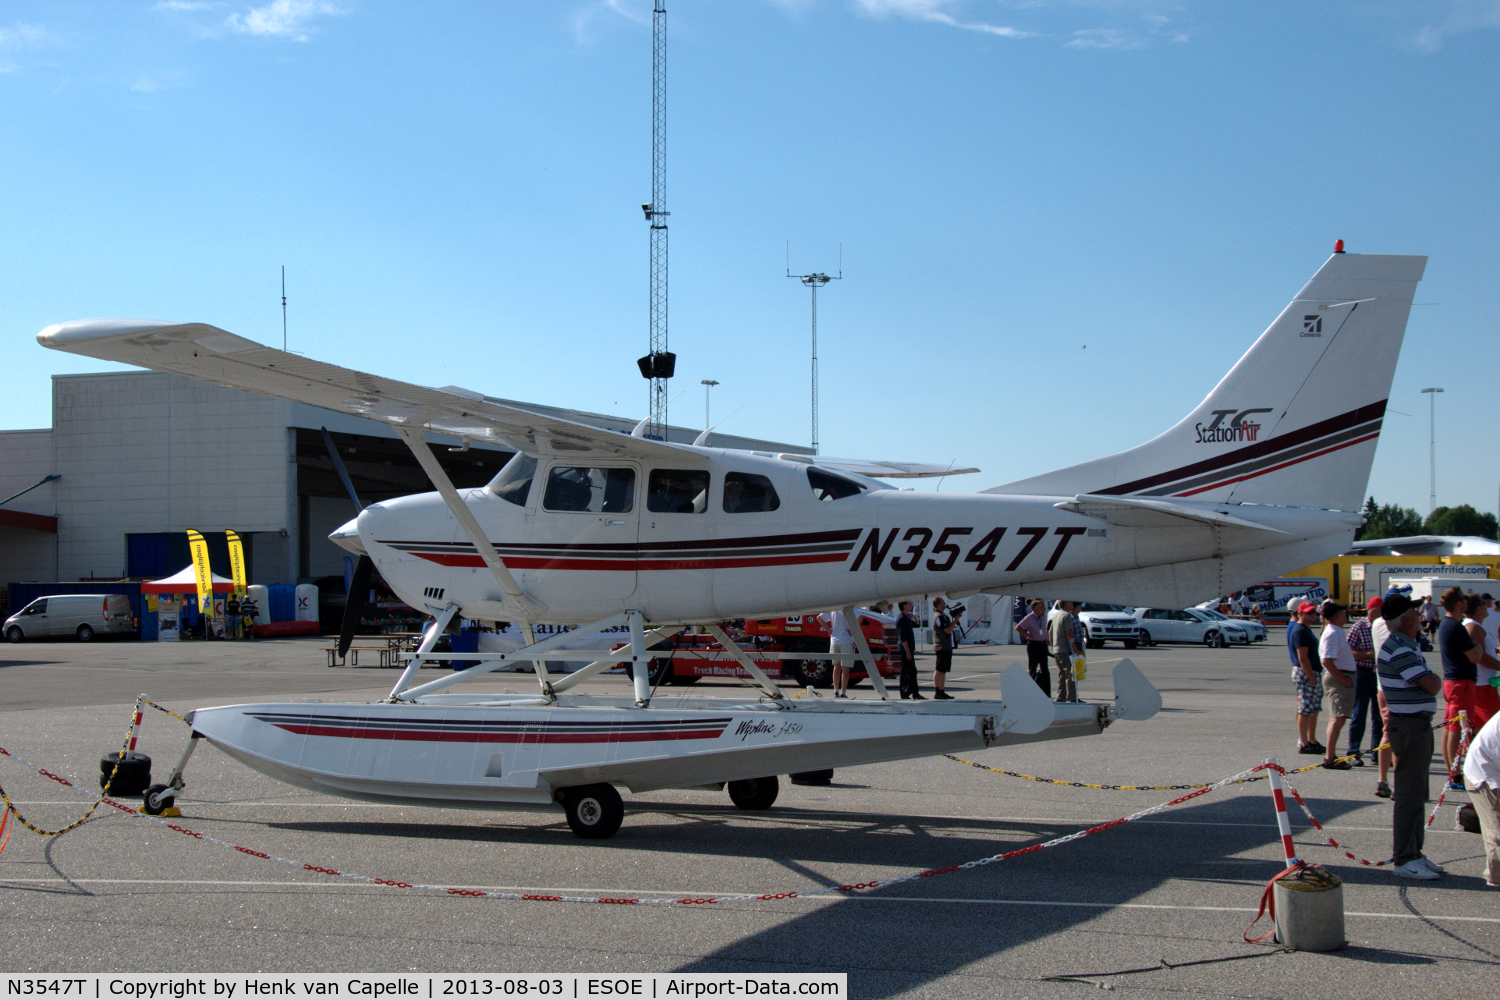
701 438
640 428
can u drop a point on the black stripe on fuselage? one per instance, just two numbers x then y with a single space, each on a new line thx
1261 449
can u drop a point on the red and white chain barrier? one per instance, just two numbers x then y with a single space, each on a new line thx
1453 775
646 901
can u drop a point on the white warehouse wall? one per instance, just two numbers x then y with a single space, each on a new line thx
149 452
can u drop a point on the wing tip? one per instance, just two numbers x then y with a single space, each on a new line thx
62 336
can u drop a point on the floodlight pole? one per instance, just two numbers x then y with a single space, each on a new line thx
1431 395
814 282
708 385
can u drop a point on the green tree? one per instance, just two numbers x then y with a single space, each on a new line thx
1389 521
1460 520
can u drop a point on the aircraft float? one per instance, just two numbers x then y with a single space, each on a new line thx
586 525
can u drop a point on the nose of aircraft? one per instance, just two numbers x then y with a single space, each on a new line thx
347 538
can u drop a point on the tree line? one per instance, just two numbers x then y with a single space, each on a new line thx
1394 521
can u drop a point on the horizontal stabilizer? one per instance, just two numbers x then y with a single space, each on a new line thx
1133 512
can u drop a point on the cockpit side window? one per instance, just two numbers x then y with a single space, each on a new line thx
514 481
600 491
827 486
748 493
677 491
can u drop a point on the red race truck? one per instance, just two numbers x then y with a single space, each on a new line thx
789 634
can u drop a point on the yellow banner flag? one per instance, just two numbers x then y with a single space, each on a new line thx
201 572
237 562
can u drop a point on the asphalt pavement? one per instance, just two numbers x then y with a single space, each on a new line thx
1130 908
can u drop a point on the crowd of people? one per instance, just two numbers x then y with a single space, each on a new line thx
1376 679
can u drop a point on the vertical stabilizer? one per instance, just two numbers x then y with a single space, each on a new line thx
1296 420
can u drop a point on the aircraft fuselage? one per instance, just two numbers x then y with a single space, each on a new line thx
705 558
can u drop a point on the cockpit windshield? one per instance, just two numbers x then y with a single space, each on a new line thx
513 482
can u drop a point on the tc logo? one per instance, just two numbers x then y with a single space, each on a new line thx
1312 326
1236 429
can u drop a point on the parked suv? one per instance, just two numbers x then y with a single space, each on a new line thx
1104 622
81 616
1194 625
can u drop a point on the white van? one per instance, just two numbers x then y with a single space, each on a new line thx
82 616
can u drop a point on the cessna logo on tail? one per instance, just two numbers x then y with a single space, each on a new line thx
1237 429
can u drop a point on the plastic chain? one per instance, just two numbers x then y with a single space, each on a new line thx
644 901
10 807
1155 788
1463 749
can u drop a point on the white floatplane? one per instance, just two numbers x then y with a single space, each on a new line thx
589 525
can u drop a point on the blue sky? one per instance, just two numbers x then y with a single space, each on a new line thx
454 189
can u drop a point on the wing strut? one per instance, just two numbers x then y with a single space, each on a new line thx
413 438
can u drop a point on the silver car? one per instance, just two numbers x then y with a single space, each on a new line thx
1196 625
81 616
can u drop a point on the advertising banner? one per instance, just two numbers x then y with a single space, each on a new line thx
201 572
237 562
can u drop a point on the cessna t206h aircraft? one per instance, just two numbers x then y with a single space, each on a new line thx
586 525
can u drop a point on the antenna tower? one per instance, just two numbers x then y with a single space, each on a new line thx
814 281
656 215
283 308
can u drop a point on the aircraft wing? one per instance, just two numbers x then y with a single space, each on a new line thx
205 352
882 470
1134 512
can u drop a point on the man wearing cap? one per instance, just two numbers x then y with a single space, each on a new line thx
1302 646
1365 685
1411 694
1338 677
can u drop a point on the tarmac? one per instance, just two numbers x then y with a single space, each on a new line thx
1129 909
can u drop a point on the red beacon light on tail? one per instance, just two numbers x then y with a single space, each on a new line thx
1338 246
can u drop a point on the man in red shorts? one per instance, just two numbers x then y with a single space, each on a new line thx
1461 656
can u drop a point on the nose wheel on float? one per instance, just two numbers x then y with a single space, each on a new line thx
161 800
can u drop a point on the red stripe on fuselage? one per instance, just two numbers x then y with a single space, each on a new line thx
634 565
1283 465
349 733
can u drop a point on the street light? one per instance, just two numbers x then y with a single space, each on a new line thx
708 385
1432 448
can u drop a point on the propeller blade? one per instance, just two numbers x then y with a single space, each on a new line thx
338 465
355 601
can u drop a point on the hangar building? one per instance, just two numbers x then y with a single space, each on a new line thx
140 456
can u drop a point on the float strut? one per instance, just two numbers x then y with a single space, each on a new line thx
640 660
175 781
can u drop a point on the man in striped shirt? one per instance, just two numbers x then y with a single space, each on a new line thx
1365 684
1410 692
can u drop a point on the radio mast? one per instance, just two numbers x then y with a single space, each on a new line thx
658 364
814 281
